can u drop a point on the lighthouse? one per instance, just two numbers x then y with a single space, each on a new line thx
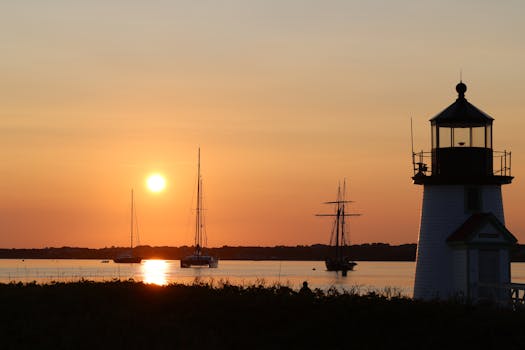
463 246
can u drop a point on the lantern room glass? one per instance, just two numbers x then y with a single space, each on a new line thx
450 137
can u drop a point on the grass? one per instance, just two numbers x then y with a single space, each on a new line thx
120 315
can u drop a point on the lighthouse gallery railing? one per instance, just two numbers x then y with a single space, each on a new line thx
502 161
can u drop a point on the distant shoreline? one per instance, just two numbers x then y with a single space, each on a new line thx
316 252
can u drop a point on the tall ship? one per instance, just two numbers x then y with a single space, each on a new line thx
129 257
198 258
339 237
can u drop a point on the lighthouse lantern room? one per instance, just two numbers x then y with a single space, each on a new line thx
463 246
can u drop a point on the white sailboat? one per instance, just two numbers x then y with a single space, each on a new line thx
129 257
198 258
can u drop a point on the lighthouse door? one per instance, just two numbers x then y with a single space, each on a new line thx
488 269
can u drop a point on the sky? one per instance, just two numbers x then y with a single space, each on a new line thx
285 99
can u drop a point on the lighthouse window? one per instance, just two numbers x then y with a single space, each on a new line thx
473 199
461 137
478 137
434 136
488 131
445 137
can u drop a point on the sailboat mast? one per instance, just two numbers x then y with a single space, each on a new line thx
131 231
343 222
337 222
198 219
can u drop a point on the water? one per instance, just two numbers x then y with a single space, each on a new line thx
368 275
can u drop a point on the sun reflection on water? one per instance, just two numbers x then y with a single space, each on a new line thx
155 272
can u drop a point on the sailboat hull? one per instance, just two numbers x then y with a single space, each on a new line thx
340 264
199 260
128 260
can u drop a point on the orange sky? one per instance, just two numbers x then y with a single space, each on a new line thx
285 98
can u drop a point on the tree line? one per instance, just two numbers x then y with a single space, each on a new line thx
315 252
362 252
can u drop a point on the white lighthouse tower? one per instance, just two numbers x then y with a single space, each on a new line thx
463 247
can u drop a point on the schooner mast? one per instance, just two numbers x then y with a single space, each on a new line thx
339 237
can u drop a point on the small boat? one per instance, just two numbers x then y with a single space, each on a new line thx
344 264
198 258
105 261
129 257
339 238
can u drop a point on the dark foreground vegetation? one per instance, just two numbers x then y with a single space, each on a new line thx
128 315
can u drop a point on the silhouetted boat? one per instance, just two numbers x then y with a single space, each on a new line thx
129 257
198 258
339 236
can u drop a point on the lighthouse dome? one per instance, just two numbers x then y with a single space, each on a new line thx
461 113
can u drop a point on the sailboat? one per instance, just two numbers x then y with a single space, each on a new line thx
339 236
129 257
198 258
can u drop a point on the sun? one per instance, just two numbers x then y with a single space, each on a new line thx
156 183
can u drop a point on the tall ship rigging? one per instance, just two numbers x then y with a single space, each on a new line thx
339 238
198 258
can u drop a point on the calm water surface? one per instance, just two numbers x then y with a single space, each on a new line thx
368 275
